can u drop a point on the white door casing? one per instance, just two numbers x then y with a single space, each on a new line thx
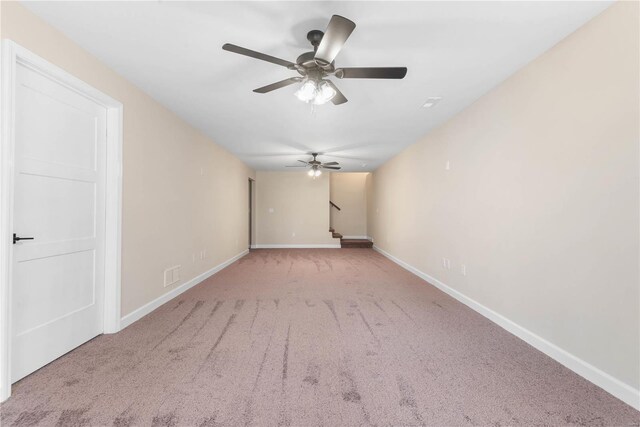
61 184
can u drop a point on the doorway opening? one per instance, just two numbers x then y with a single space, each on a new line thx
251 204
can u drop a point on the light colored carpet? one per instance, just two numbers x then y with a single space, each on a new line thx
310 337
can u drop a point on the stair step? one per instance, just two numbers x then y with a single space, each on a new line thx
336 235
356 243
331 230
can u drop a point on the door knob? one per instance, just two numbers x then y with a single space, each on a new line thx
16 238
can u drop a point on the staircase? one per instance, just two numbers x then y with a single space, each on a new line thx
351 243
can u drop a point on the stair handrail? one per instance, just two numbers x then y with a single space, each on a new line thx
334 205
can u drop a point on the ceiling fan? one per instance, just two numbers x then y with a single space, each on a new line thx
317 166
314 67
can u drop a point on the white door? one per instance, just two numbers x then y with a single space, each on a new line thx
59 200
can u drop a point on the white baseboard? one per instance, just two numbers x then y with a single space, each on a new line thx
149 307
309 246
612 385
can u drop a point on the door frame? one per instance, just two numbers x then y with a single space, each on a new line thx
13 54
251 211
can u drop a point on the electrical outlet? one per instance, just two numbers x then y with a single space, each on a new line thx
447 165
448 264
463 270
293 234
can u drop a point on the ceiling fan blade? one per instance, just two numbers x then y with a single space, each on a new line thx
278 85
335 36
257 55
371 73
295 166
338 98
302 161
332 167
331 164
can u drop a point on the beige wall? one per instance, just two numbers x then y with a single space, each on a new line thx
541 202
171 211
349 193
300 209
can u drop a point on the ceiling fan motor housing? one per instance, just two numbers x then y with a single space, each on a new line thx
314 162
309 63
308 59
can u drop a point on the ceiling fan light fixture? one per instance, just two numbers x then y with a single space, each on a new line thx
317 173
311 172
324 93
307 91
315 92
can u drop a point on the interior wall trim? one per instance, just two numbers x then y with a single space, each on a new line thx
302 246
610 384
149 307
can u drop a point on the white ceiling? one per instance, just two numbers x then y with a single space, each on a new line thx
456 50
